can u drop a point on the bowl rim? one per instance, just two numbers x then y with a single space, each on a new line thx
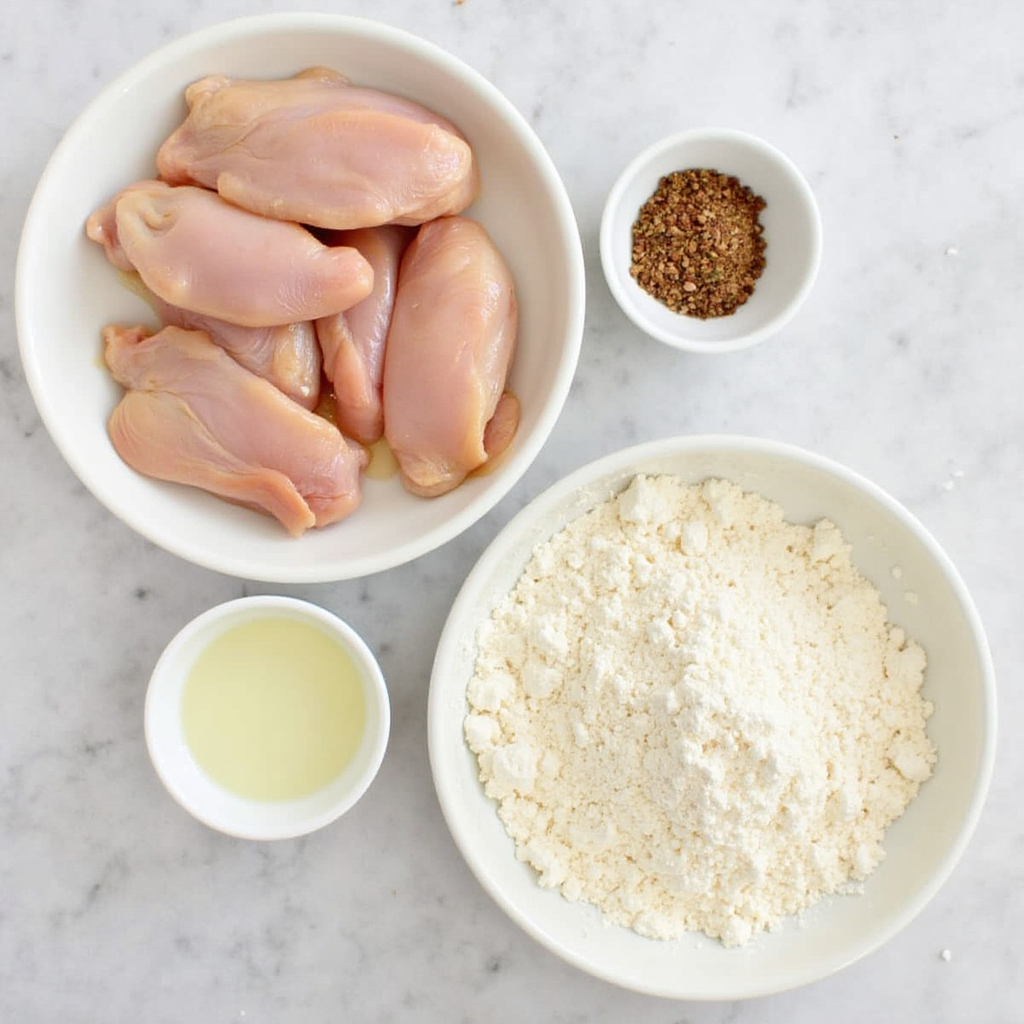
159 731
678 141
514 464
559 495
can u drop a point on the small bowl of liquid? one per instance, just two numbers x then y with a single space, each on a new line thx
267 717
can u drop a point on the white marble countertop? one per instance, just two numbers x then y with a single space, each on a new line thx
905 364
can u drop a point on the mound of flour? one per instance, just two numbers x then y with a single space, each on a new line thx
695 715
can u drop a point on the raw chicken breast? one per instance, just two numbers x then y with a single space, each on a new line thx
316 150
288 356
449 350
193 415
352 342
198 252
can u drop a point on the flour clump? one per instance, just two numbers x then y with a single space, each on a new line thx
694 714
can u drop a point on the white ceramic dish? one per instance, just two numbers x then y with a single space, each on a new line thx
922 847
792 230
211 803
66 291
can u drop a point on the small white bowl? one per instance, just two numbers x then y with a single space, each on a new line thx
197 792
922 847
792 231
66 291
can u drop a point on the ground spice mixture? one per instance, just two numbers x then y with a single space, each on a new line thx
698 243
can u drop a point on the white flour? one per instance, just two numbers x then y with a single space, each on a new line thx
695 715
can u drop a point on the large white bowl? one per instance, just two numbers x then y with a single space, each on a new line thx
922 847
66 291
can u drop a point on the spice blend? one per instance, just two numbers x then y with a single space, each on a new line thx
698 243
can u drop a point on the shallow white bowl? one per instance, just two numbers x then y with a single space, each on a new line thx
922 847
792 231
210 802
66 291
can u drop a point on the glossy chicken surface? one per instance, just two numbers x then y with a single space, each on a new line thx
316 150
198 252
192 415
449 348
353 342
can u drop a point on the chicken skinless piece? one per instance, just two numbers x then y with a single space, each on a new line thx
316 150
287 355
192 415
449 350
199 252
352 342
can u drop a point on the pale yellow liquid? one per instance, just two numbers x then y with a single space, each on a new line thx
273 709
383 464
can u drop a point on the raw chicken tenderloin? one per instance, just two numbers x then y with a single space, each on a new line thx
449 349
352 342
316 150
199 252
157 434
287 355
194 416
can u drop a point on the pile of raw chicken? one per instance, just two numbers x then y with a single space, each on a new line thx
303 248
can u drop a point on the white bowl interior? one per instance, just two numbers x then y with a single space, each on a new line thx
211 803
922 847
66 291
792 230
